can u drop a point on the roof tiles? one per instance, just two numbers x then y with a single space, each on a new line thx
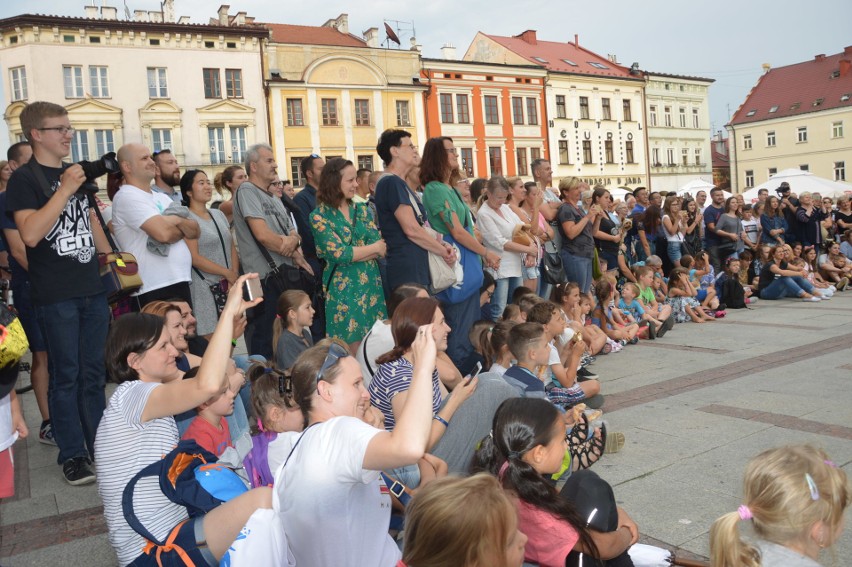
313 35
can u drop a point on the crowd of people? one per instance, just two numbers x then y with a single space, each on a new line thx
366 381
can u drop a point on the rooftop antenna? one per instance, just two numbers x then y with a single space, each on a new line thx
126 11
399 29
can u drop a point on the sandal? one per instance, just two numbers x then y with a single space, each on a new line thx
587 453
614 443
607 348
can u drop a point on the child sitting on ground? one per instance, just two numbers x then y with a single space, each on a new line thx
290 331
730 290
608 318
702 275
631 306
656 264
525 303
512 313
746 259
567 296
210 428
646 277
809 259
794 500
764 257
685 306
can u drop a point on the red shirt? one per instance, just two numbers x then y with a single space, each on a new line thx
214 439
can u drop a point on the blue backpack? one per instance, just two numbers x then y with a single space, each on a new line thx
256 462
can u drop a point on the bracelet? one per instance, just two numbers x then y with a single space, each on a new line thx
440 419
234 342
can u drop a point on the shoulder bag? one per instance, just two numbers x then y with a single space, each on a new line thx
219 290
469 265
441 274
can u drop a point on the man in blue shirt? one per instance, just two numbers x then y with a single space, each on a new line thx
712 241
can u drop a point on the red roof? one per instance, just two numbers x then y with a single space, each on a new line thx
554 56
720 159
812 86
313 35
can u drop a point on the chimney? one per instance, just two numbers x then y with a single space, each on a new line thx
223 14
240 19
155 17
91 12
340 23
845 67
184 20
766 67
371 36
109 13
819 57
577 40
449 51
613 58
529 37
847 50
140 15
169 11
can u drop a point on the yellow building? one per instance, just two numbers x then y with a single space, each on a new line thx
332 93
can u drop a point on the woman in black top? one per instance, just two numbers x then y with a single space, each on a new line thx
608 236
809 218
777 280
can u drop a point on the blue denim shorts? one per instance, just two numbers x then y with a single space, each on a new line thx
530 273
190 538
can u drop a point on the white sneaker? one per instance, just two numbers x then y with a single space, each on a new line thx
812 299
824 297
832 288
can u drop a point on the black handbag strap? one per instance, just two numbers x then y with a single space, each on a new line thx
263 251
224 250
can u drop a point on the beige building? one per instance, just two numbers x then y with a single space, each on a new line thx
195 89
594 107
333 93
678 120
796 116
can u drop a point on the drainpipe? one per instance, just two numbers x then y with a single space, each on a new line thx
735 175
265 85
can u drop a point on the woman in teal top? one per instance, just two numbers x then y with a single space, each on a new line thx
349 242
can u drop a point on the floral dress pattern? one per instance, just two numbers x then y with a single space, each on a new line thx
354 298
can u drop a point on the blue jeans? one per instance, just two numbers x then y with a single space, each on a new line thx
786 286
503 291
675 250
75 332
578 269
460 317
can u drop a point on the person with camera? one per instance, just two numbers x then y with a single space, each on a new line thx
788 206
62 242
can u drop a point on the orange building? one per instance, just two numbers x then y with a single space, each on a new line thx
495 114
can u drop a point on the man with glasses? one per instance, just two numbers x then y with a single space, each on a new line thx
62 243
167 175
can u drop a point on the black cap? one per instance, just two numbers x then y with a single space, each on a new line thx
784 186
587 492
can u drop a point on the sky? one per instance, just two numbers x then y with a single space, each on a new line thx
725 40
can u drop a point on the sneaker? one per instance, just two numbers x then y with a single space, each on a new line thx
841 285
751 300
812 299
78 471
45 434
824 297
586 373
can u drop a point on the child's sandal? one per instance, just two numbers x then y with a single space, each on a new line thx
587 454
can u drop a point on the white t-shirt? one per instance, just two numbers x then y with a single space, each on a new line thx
335 513
496 231
124 446
377 342
131 207
8 435
677 236
751 228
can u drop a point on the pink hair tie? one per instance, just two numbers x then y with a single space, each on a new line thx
502 470
744 512
259 425
830 463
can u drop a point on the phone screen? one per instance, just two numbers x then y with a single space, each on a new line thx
476 370
253 290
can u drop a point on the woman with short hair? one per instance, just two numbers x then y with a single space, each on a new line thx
579 229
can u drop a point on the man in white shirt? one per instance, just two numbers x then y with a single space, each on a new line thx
167 175
137 216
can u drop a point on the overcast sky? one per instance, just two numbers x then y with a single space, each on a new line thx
725 40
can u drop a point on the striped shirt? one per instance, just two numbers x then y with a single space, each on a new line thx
124 445
392 378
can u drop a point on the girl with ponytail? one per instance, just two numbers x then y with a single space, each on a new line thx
795 499
527 444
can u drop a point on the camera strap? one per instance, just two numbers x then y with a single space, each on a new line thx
35 167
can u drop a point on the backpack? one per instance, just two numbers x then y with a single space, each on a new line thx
256 462
733 294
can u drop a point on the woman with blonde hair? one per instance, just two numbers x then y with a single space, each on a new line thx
579 228
795 498
467 522
5 174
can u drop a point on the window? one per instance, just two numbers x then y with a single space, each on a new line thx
836 127
19 83
804 167
151 41
667 116
697 156
652 115
329 111
684 156
462 109
104 142
610 157
157 86
749 178
747 142
773 109
772 171
535 153
628 114
446 109
655 157
295 117
569 62
234 83
492 114
584 107
560 107
362 112
80 145
587 151
606 111
99 82
161 139
517 110
840 171
522 161
238 144
365 162
73 77
532 112
802 133
628 152
597 65
296 171
212 88
564 155
770 139
682 116
467 161
670 156
695 121
216 141
495 159
403 116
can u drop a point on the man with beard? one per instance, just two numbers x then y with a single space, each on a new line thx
167 175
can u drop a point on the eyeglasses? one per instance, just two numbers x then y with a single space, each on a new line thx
277 184
453 151
61 129
335 353
412 146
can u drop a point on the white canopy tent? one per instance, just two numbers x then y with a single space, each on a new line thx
800 182
619 193
693 187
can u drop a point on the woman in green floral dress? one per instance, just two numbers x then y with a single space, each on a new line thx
349 242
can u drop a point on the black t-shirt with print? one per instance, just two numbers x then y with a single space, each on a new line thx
64 264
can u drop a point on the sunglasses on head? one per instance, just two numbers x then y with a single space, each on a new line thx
335 353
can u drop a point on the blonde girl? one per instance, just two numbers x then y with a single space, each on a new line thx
272 405
290 334
795 498
567 296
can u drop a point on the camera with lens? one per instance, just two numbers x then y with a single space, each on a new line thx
783 190
107 163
